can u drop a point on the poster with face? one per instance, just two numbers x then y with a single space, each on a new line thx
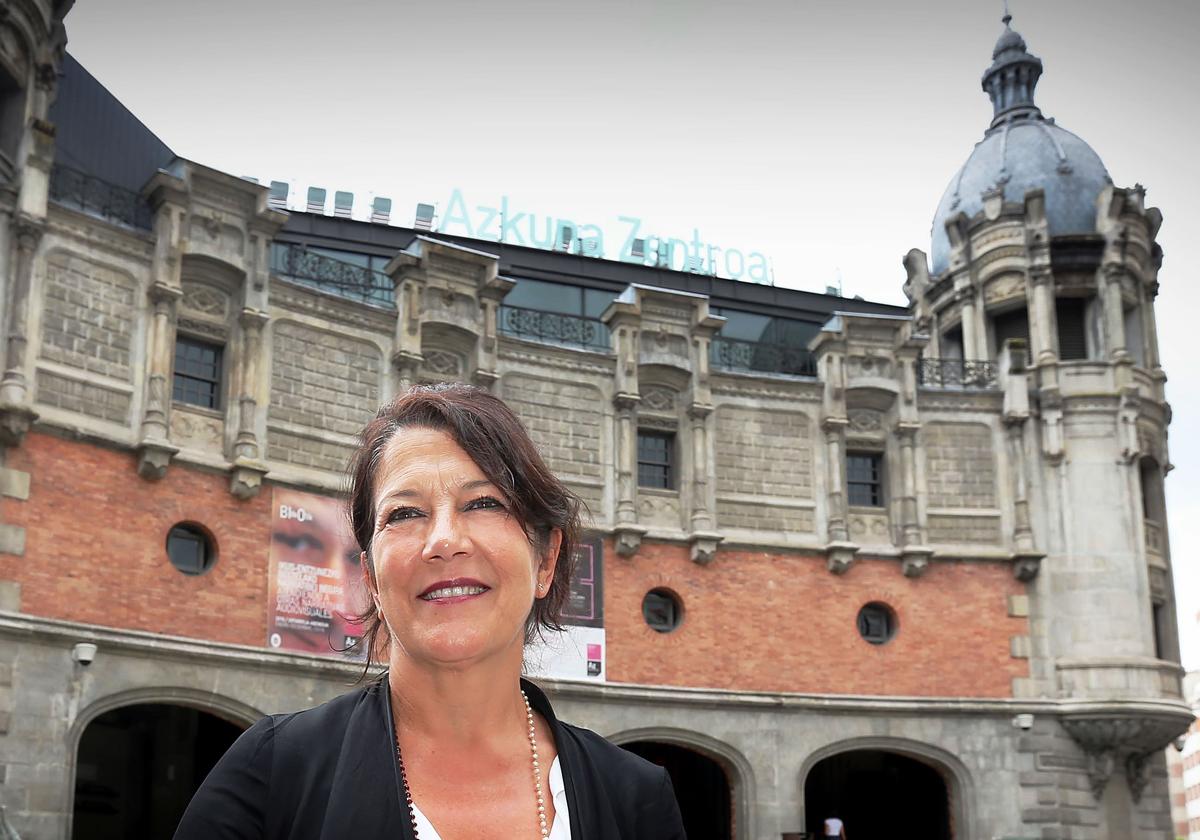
315 582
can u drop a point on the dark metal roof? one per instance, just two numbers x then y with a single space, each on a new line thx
99 136
536 264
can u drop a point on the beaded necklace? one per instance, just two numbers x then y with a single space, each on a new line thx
537 778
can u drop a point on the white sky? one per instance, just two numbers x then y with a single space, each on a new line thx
819 132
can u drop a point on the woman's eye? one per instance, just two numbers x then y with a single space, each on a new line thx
486 503
400 514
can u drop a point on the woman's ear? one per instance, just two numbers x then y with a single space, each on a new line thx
368 571
545 572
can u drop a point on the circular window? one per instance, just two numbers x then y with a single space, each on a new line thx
191 549
877 623
662 610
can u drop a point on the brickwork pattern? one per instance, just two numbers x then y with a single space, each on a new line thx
323 380
563 419
82 397
88 317
763 452
762 517
960 465
760 621
76 568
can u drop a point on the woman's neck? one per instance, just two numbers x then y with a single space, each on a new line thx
456 705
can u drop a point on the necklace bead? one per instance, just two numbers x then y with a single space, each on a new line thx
543 830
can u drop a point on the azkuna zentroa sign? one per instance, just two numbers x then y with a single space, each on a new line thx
505 223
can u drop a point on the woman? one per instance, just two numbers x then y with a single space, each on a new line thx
466 542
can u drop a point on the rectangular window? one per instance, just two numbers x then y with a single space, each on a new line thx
1072 328
656 456
197 372
864 479
1013 324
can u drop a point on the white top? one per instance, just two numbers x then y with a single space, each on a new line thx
560 830
833 827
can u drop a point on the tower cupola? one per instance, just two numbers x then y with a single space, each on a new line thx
1011 79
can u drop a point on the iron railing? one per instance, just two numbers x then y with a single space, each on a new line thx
957 374
555 328
97 197
357 282
742 356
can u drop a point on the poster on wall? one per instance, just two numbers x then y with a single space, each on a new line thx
315 581
579 652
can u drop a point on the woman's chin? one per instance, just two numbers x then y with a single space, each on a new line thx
458 650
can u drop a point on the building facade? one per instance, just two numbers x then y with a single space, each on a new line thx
909 564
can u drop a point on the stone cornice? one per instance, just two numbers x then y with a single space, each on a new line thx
178 649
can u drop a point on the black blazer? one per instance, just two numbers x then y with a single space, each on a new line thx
330 773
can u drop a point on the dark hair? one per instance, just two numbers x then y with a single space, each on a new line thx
490 433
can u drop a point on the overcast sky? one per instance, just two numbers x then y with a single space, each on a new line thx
821 134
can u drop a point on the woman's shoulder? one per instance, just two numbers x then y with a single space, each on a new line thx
609 757
321 724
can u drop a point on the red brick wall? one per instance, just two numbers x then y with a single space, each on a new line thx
95 544
783 622
95 552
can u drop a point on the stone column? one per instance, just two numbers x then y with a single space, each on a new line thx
840 551
966 295
406 347
15 413
1150 325
1114 312
704 538
154 448
628 533
915 556
1041 326
248 471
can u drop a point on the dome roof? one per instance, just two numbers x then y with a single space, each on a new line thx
1023 155
1021 151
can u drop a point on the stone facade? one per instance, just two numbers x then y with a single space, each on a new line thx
1014 525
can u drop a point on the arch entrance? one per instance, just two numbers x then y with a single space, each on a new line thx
701 786
137 767
878 794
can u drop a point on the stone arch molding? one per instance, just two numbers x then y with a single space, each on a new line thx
961 785
227 708
740 771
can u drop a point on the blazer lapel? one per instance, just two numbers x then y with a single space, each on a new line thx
365 798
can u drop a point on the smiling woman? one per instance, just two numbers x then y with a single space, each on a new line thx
466 540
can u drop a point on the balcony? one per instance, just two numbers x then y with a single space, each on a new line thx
345 279
555 328
741 356
957 375
95 197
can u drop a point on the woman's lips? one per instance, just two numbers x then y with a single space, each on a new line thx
453 591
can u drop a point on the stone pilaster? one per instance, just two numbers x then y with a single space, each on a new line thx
915 555
1114 312
248 471
970 322
154 447
16 414
840 551
704 538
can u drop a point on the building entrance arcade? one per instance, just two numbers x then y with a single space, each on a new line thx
878 794
701 786
138 766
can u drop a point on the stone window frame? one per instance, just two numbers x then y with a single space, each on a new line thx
878 484
219 383
670 464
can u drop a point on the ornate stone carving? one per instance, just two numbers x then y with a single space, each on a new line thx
914 561
245 479
443 363
840 557
205 300
206 328
658 399
1026 565
153 459
628 538
865 421
704 547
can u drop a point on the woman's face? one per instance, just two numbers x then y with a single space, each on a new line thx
455 573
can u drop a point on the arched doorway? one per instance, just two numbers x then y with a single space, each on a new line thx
701 786
138 766
878 794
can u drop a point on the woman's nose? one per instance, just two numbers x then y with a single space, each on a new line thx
447 537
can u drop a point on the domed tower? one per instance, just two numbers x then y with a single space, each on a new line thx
1042 278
